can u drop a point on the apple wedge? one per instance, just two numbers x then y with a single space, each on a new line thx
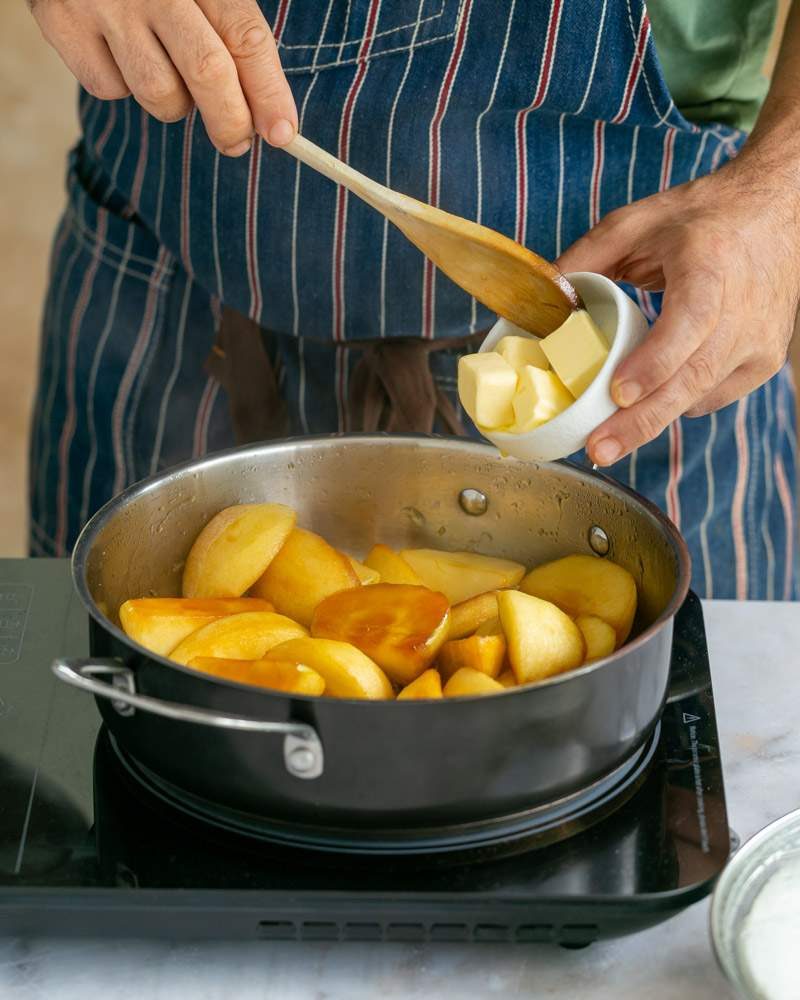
160 623
542 640
278 675
427 685
400 627
462 575
305 571
485 653
599 636
468 616
347 672
247 636
392 566
467 683
587 585
235 548
366 575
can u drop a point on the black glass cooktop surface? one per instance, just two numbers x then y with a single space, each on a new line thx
86 849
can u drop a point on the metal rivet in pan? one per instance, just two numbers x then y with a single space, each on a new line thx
473 502
301 760
598 540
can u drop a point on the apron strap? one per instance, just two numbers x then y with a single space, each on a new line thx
392 387
239 361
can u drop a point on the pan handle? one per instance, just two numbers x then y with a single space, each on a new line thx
302 749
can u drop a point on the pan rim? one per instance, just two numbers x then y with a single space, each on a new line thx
83 545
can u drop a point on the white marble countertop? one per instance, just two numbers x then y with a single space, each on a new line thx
756 671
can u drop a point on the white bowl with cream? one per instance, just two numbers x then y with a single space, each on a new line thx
624 328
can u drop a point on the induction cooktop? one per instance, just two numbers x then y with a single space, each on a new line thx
87 848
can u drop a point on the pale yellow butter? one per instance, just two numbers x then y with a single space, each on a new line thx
576 351
521 351
486 386
540 396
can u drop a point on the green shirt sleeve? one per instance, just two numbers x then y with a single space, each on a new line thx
712 53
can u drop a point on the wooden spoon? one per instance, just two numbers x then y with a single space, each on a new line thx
510 280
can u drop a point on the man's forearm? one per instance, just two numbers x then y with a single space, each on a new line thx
774 143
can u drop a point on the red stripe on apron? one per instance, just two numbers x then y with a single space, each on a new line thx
635 70
737 507
650 310
542 86
339 236
186 180
666 160
280 19
344 153
434 157
141 163
103 138
68 430
785 494
251 228
675 472
341 408
597 172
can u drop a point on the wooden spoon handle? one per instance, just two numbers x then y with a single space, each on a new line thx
380 197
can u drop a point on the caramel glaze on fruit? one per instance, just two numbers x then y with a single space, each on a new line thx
400 626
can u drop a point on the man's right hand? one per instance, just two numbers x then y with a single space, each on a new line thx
217 54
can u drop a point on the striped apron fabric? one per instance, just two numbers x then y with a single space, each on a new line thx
534 118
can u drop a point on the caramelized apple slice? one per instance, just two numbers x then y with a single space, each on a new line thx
347 672
587 585
401 628
305 572
542 640
427 685
485 653
160 623
599 636
279 675
466 683
247 636
392 566
468 616
366 575
235 548
461 575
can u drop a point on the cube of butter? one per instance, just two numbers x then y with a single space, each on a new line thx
521 351
576 351
540 396
486 385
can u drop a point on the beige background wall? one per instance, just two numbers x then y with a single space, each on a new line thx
37 118
37 114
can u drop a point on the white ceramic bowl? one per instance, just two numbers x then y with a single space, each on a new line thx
625 328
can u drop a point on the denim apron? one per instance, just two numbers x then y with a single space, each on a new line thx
533 118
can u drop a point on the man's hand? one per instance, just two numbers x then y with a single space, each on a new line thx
219 54
724 249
